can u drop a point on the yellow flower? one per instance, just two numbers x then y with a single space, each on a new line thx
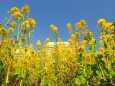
31 48
4 32
47 40
11 30
77 34
13 24
63 59
55 30
83 42
73 36
104 59
13 10
69 27
18 15
24 30
78 25
25 24
109 37
1 28
46 45
106 37
111 28
88 58
101 21
77 37
32 22
82 48
102 50
28 25
92 41
23 40
38 44
25 9
10 40
5 42
89 33
101 42
70 41
82 22
52 26
107 25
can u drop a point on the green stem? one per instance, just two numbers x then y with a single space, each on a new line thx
28 38
20 82
101 70
8 20
19 30
7 76
84 68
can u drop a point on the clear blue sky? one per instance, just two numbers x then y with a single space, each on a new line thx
60 12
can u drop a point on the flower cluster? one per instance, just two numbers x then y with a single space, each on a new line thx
77 62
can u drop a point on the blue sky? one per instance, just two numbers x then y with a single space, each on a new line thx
60 12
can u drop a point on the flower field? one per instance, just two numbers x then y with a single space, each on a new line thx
77 64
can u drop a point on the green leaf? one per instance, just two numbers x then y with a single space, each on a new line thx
80 80
107 55
77 81
99 73
15 77
112 74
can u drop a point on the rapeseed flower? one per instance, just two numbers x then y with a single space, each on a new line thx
82 22
69 27
13 24
47 40
107 26
81 25
25 9
14 10
11 30
38 44
55 29
101 22
17 15
88 58
78 26
60 64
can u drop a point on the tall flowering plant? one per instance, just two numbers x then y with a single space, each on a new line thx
77 63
